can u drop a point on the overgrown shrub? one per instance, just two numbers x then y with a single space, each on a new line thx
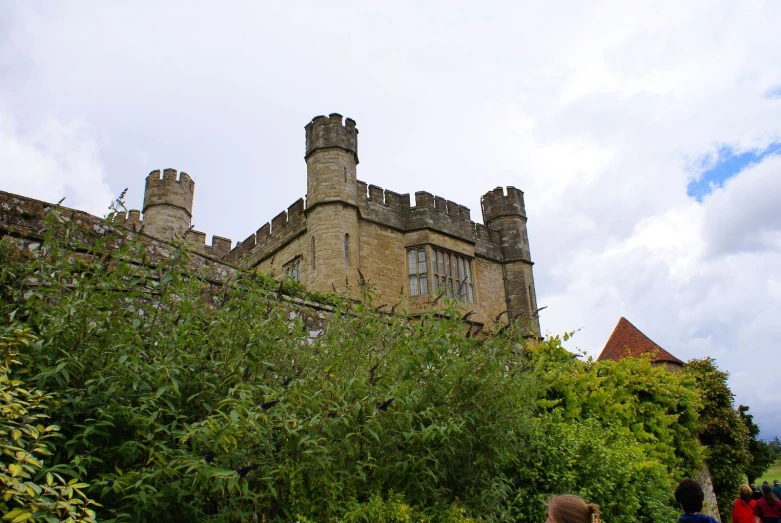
32 491
188 401
658 408
724 432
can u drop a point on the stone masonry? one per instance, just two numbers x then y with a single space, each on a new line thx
345 231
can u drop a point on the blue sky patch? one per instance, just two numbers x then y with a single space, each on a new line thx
726 165
774 93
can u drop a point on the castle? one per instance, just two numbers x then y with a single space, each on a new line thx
346 231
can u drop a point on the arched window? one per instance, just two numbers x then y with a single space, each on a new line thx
347 249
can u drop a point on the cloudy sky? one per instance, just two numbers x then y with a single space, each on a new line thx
646 136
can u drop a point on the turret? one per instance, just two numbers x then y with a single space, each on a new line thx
168 204
331 159
506 213
331 203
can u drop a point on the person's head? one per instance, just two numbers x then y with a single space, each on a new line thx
745 492
754 487
689 496
767 493
765 483
776 483
571 509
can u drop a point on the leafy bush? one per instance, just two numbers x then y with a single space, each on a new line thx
31 491
724 432
183 400
658 408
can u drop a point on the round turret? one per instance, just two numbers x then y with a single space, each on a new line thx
168 204
496 204
506 213
326 133
331 202
331 159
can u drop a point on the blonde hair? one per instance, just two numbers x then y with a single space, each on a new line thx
745 490
572 509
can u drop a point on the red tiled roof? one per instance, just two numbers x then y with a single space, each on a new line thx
627 340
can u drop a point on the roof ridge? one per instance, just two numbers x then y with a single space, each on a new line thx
626 340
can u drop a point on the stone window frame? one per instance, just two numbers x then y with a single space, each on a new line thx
293 268
458 284
454 273
417 276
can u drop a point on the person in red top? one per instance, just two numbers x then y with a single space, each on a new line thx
743 508
768 509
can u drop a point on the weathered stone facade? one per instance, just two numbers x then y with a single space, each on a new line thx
346 231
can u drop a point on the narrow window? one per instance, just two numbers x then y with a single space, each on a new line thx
417 269
292 269
422 271
313 252
412 265
531 302
347 249
345 175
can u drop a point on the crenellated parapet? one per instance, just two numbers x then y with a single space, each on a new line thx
497 203
173 188
218 249
130 220
395 210
329 132
271 236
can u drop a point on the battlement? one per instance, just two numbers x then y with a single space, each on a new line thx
395 210
328 132
272 235
497 203
219 247
130 220
173 188
424 200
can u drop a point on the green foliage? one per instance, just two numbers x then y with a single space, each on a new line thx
762 454
724 433
188 401
31 491
658 408
605 465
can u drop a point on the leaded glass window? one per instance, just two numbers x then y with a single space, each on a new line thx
452 274
417 270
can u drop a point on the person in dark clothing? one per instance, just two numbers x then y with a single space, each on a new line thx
756 494
768 509
777 488
690 498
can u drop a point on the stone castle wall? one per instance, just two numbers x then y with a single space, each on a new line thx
23 220
377 225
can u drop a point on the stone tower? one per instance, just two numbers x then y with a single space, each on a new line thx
331 203
168 204
506 213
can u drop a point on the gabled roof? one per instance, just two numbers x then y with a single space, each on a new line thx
628 341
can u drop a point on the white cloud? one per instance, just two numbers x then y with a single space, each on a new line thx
54 161
596 110
745 215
